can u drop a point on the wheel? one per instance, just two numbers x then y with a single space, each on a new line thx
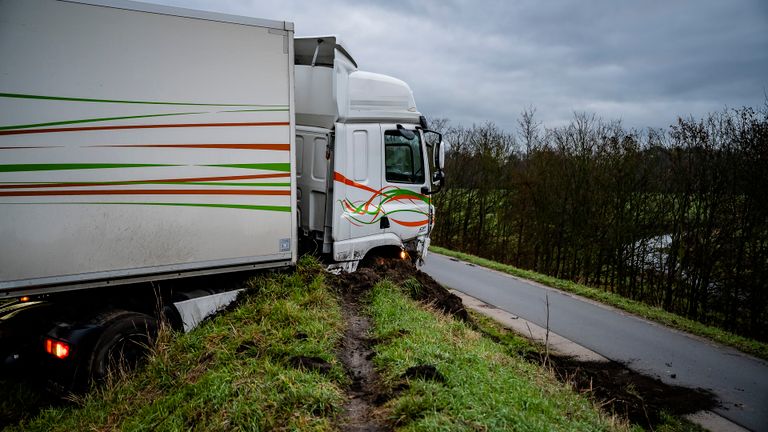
124 341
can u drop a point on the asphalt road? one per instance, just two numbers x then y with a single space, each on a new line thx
739 381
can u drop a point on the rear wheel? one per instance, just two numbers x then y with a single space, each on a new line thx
124 341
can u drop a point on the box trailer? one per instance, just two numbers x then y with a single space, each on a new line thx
142 143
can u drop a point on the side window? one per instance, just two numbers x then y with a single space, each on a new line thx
403 158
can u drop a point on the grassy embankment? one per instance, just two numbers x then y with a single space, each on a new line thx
476 383
234 372
750 346
239 371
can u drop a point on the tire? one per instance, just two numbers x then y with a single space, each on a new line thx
123 343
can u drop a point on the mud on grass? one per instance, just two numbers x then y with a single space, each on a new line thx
367 394
418 285
355 353
645 401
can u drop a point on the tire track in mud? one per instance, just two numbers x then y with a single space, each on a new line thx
356 351
356 355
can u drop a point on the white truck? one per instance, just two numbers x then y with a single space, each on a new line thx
141 144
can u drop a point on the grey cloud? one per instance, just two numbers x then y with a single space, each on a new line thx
642 61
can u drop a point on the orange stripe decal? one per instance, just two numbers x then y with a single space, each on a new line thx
410 224
145 126
340 178
146 192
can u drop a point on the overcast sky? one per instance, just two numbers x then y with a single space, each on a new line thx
643 61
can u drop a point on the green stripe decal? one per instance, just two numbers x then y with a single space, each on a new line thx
73 166
285 209
73 99
94 120
284 167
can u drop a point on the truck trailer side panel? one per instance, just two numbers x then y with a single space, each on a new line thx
136 143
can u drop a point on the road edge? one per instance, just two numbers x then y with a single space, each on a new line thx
720 345
530 330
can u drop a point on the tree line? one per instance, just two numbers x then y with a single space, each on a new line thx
676 218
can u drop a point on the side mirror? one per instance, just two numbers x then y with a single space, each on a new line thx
437 184
436 147
440 156
406 133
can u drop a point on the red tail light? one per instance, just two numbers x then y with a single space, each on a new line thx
57 348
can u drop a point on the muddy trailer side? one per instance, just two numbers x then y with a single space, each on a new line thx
138 143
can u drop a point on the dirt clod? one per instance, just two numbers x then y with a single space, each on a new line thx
311 363
426 372
426 290
246 347
640 398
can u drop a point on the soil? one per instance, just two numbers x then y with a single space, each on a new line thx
638 397
426 372
429 291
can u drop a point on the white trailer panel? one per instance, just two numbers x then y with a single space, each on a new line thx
135 143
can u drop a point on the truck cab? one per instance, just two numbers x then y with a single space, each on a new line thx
367 162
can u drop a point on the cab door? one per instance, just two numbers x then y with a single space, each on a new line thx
405 210
357 189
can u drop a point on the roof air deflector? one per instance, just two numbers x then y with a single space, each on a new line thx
318 51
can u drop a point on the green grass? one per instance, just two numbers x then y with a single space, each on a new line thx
750 346
231 373
485 387
514 343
